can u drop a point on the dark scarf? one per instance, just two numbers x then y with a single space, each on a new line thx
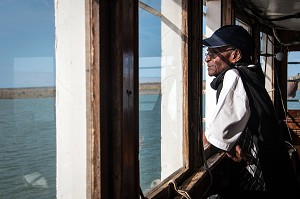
217 83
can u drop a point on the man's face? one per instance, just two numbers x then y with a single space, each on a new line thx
218 59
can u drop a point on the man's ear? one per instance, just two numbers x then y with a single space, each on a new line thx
236 55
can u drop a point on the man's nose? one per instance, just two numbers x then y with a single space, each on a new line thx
207 58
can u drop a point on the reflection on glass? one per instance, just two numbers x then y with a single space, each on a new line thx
27 100
161 90
150 97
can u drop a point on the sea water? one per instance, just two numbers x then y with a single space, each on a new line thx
27 149
150 140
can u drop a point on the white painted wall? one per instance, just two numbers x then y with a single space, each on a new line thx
70 98
171 88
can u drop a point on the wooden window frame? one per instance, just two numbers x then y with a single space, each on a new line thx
114 99
116 113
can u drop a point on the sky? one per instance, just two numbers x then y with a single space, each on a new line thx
27 41
27 37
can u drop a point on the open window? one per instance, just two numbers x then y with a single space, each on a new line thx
167 84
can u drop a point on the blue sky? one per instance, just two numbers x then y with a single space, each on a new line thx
27 37
27 43
149 44
149 31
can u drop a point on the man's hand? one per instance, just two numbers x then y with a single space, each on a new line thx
240 155
205 142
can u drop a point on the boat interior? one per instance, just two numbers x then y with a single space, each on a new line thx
187 168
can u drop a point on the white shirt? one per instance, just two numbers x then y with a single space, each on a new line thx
231 114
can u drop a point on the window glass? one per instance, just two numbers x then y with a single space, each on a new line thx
150 97
293 93
161 91
27 100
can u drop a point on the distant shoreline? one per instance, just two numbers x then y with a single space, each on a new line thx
45 92
149 88
24 93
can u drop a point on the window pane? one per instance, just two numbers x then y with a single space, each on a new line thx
150 97
27 100
161 91
293 80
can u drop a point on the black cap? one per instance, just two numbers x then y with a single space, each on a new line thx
233 35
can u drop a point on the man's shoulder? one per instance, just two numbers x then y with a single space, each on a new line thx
232 73
232 79
252 73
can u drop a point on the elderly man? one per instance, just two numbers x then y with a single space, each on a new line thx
244 123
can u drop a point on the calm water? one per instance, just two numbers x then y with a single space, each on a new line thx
27 149
150 140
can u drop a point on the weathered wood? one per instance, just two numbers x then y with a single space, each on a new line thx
228 14
97 189
118 110
293 123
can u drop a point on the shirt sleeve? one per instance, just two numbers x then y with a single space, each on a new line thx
231 114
